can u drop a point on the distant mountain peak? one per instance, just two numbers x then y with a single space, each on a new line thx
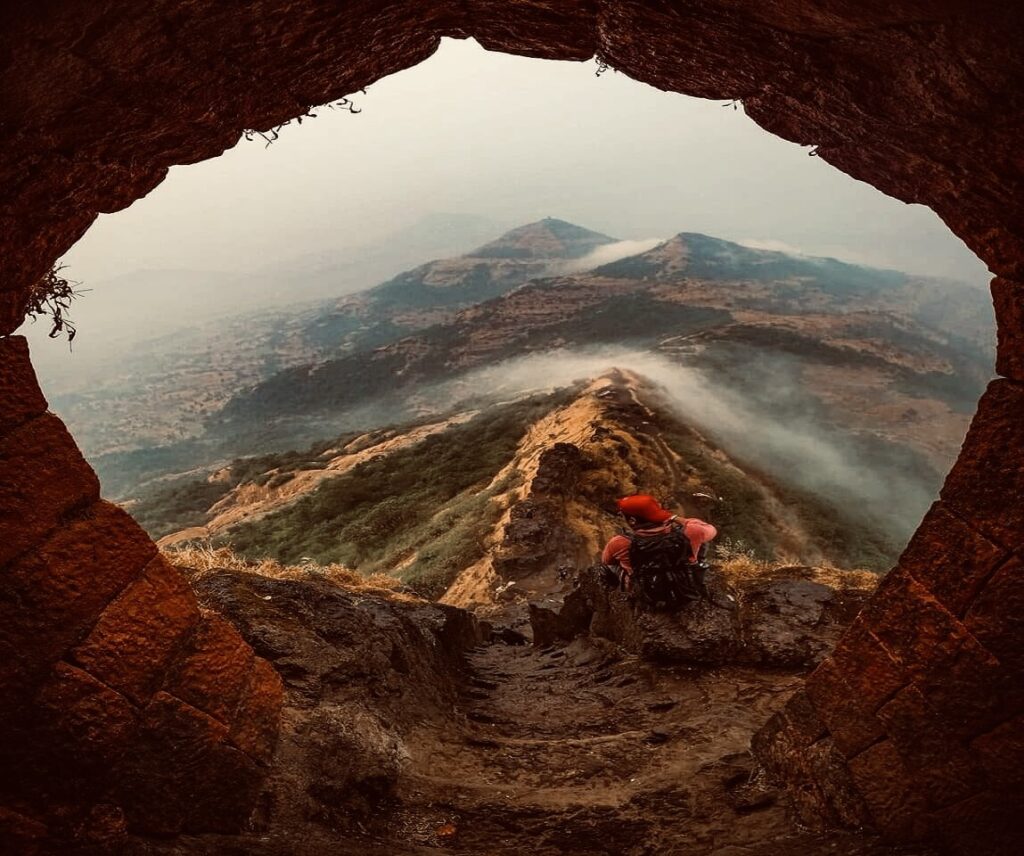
698 256
549 238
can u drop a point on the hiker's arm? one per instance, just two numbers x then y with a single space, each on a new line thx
612 554
699 532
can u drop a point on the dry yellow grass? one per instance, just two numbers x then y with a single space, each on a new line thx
739 567
201 558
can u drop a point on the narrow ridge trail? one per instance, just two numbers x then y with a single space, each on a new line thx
586 750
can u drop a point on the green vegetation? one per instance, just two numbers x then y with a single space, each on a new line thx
170 507
635 317
178 506
448 542
428 504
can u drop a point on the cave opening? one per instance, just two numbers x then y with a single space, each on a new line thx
219 263
939 646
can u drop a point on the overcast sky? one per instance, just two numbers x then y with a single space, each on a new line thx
512 140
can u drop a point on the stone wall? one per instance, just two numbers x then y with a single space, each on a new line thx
914 725
924 99
125 707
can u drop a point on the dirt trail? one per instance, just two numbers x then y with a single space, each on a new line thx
587 750
401 738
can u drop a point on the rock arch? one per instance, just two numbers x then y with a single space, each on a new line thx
915 722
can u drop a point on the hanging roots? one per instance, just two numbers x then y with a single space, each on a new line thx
52 297
346 104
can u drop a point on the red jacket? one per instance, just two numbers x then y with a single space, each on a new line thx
616 551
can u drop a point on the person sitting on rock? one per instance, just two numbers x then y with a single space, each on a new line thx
661 558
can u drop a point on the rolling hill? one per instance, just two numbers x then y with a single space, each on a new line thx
465 503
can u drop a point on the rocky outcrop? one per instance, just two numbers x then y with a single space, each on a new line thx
404 734
361 672
126 708
787 618
535 537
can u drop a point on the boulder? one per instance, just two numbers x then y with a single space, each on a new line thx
781 618
362 669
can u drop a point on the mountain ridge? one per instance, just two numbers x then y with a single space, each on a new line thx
913 356
543 497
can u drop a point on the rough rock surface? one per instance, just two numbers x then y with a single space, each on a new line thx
361 672
787 618
125 708
410 728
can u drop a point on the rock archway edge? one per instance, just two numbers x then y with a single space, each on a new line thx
915 723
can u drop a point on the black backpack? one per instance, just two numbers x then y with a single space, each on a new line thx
664 578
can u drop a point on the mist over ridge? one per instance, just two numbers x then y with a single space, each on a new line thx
799 449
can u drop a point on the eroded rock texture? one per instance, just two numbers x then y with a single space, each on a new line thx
125 707
362 672
921 99
789 618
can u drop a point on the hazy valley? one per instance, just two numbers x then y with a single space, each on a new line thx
848 385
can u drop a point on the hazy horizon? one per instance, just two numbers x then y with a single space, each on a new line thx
473 143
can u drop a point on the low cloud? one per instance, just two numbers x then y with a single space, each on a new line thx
822 251
773 245
776 432
607 254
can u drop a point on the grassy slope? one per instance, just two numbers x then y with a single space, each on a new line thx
428 503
